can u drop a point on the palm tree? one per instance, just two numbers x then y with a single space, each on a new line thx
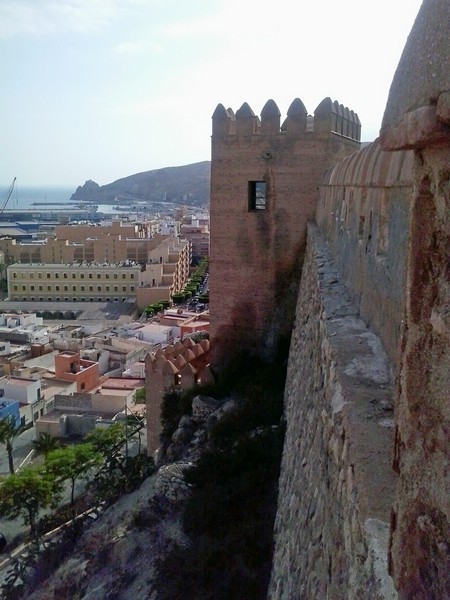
45 444
8 432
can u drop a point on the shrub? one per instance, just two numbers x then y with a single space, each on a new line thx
178 298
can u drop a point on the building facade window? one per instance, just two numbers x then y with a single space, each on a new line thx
257 196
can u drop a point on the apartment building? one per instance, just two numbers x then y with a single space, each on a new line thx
76 282
104 266
198 235
166 272
87 243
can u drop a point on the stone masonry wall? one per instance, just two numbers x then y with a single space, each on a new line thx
336 485
364 212
417 117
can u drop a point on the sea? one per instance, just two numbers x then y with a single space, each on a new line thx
26 196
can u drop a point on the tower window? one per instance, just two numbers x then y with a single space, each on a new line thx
257 197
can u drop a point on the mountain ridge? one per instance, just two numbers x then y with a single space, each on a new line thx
186 184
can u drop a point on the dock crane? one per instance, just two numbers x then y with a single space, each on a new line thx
8 196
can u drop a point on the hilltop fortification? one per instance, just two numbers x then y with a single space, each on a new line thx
363 507
264 185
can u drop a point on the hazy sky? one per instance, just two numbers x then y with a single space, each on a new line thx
102 89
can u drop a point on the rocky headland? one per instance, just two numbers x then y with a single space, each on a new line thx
188 184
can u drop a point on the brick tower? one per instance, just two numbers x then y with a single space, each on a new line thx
264 188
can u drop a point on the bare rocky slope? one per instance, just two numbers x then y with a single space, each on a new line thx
188 184
115 557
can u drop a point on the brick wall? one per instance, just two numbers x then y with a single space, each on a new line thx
256 255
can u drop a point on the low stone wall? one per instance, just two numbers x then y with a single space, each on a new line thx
75 401
336 486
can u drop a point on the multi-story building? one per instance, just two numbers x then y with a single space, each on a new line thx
27 392
198 235
76 282
78 233
164 273
70 367
98 264
9 409
87 243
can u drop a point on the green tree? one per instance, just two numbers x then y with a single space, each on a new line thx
25 493
73 463
139 396
107 441
8 433
45 444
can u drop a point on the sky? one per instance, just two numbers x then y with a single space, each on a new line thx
103 89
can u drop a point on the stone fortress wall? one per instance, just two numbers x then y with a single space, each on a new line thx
364 489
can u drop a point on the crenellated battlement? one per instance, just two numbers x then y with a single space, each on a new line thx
265 173
329 116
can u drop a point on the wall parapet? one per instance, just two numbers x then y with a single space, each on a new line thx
337 485
329 116
364 212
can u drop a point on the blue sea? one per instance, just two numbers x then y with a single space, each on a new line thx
27 196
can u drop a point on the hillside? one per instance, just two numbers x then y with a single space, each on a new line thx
187 184
199 528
